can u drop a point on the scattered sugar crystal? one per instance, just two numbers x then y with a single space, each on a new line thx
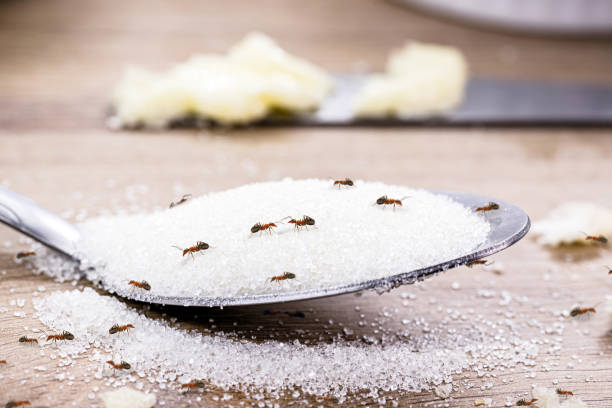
413 362
21 302
126 397
433 229
444 390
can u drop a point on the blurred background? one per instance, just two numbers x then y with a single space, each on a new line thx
60 59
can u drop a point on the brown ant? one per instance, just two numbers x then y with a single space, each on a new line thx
61 336
563 392
3 362
346 182
599 238
284 276
489 207
24 339
194 384
24 254
582 311
609 270
186 197
199 246
121 366
116 328
384 200
259 227
522 402
12 404
304 222
477 262
142 285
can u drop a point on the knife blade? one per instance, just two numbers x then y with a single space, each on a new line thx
487 102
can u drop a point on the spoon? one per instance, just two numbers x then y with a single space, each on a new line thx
508 225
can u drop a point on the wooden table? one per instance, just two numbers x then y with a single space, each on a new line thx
59 60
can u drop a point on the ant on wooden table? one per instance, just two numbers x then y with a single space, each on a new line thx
598 238
523 402
121 366
25 254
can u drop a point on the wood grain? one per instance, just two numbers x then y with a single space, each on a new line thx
59 61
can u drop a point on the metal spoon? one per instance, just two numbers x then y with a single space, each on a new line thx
508 225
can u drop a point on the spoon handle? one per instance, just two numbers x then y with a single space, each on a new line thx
40 224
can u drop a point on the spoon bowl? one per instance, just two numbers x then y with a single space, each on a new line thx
508 225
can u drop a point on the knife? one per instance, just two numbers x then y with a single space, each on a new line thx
487 102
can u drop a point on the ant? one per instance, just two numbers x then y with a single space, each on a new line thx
384 200
193 384
24 339
263 227
609 270
24 254
582 311
522 402
599 238
116 328
61 336
304 222
199 246
21 403
121 366
489 207
3 362
563 392
477 262
284 276
142 285
186 197
346 182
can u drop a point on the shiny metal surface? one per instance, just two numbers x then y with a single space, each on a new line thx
29 218
508 225
487 101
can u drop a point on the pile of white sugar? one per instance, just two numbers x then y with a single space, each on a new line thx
352 240
413 360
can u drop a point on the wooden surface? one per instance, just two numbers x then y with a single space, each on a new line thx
59 61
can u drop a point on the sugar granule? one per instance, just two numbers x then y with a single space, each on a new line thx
352 240
126 397
405 362
548 398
